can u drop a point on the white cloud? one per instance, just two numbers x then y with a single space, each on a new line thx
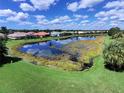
36 4
103 19
64 18
111 18
101 14
85 21
20 16
26 23
115 4
114 17
96 25
114 23
73 6
82 4
55 21
11 15
112 14
43 4
121 19
39 17
88 3
61 19
41 20
77 16
26 7
7 12
84 24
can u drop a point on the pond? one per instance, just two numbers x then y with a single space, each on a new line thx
50 48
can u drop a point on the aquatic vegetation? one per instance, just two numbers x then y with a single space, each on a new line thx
84 49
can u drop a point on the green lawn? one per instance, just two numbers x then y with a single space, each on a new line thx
23 77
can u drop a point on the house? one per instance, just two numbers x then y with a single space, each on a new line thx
41 34
81 32
30 33
17 35
20 35
55 34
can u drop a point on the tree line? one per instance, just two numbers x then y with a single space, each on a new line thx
6 31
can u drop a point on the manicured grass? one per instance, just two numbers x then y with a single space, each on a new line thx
23 77
108 40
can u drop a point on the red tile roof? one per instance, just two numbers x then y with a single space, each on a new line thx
41 34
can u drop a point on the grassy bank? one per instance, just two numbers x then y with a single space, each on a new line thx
23 77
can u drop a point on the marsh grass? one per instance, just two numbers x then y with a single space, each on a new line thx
92 49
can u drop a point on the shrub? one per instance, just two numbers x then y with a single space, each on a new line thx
113 31
114 56
4 30
3 50
118 35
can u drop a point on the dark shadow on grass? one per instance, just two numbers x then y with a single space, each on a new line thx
114 68
9 59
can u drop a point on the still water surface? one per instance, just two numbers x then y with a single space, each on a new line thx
50 48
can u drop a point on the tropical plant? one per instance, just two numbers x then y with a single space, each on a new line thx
114 56
118 35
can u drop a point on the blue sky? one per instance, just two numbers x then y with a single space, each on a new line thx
62 14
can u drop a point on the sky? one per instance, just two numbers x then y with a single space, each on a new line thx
62 14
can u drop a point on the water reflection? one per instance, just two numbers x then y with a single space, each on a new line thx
50 48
